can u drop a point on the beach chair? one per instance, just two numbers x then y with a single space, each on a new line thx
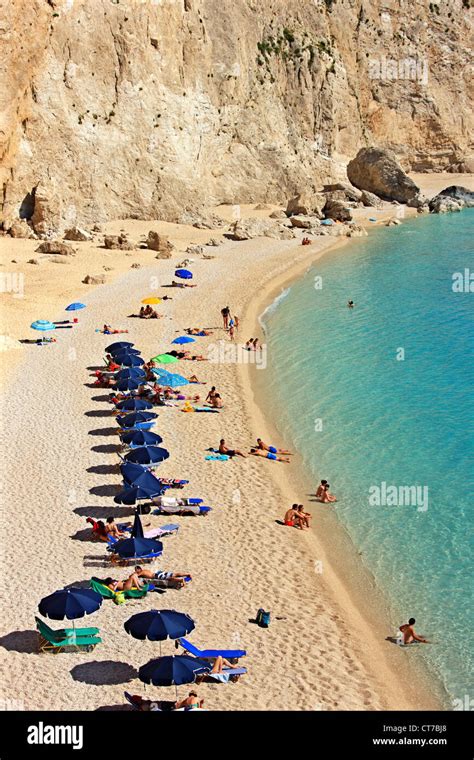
107 593
124 561
210 654
159 583
66 639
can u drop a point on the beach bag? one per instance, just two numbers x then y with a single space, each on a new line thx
263 618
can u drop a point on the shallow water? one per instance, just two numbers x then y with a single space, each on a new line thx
380 394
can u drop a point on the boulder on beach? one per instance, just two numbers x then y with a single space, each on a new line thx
246 229
337 210
118 242
306 203
459 193
442 204
351 193
304 222
278 214
370 199
21 229
159 243
77 234
56 247
94 279
378 171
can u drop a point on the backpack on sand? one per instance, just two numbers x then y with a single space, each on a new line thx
263 618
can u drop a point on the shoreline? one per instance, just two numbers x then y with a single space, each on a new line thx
366 605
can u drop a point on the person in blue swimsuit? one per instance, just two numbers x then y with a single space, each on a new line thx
268 455
272 449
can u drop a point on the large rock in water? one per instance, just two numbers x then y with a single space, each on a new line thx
379 172
441 204
459 193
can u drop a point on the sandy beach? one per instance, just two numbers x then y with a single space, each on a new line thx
325 648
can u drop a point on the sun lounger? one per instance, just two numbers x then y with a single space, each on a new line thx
164 530
107 593
173 482
210 654
66 639
191 509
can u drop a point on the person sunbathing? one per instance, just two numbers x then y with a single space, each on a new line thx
257 345
191 702
272 449
249 345
293 518
327 497
102 380
268 455
111 528
218 670
216 402
161 575
197 331
108 330
229 452
132 582
409 635
175 284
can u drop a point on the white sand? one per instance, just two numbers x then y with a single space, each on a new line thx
57 445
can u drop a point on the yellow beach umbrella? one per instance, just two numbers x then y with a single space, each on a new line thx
151 300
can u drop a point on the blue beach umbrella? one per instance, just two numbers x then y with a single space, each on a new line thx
130 373
136 548
147 455
75 306
135 418
159 625
184 274
126 386
136 438
43 325
170 379
128 360
172 671
133 405
131 472
70 603
184 339
137 530
120 345
131 494
128 350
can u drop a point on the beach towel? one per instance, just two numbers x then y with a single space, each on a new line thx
205 409
217 457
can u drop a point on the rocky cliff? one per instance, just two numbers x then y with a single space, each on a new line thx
142 108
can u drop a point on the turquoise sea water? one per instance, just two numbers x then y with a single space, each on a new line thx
390 384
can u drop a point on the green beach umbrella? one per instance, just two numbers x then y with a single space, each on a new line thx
165 359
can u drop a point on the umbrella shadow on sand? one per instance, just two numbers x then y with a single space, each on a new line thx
105 673
110 490
107 448
25 642
82 535
78 584
102 513
104 397
114 708
98 413
104 431
104 469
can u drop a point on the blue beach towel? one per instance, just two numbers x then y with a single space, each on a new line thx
217 457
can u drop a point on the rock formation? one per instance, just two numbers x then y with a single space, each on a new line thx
143 109
378 171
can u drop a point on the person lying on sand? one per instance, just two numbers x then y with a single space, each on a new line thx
175 284
108 330
187 355
230 452
305 517
193 379
249 345
268 455
320 489
161 575
327 497
257 345
293 518
133 581
197 331
272 449
191 702
112 529
409 635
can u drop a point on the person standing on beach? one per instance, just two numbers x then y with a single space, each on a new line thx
225 317
409 635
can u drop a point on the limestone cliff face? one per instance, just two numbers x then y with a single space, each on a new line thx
141 108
